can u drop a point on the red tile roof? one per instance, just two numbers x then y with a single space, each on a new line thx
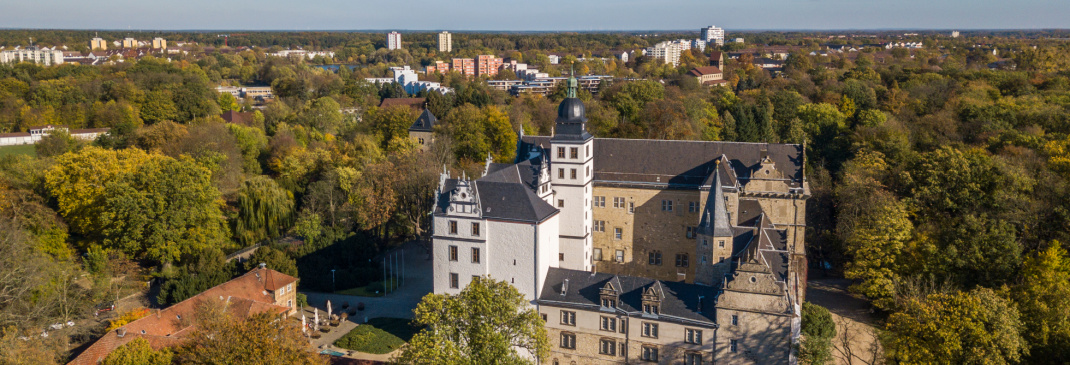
417 103
705 70
245 295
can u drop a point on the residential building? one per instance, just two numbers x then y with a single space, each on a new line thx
41 56
738 40
232 90
698 44
159 43
98 43
668 51
488 65
438 67
410 81
465 66
708 75
627 241
257 92
712 35
955 34
624 57
260 290
554 59
129 43
300 53
393 41
445 42
422 130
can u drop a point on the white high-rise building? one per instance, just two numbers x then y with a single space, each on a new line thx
668 51
41 56
713 35
445 42
393 41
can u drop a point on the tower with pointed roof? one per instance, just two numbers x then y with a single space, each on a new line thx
572 172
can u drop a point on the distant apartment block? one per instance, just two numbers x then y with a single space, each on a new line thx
668 51
488 65
445 42
410 81
159 43
393 41
98 43
713 35
955 34
129 42
302 53
438 67
465 66
41 56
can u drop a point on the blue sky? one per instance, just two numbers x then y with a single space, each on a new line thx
534 15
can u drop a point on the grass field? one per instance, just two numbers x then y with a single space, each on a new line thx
378 336
22 149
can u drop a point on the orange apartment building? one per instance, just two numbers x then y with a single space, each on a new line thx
488 65
465 66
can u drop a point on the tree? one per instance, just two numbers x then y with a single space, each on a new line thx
392 122
146 205
976 327
323 114
485 324
138 352
199 272
275 259
818 329
56 143
227 101
158 107
223 337
264 210
1041 297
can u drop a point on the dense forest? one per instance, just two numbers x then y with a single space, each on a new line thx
940 186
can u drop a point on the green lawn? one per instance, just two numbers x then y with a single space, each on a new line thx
378 336
21 149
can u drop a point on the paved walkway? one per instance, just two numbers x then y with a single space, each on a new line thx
415 282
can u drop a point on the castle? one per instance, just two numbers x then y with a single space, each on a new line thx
653 250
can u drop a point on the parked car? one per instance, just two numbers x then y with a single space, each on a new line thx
104 307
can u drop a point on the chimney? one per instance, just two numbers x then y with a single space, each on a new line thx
263 266
564 287
120 332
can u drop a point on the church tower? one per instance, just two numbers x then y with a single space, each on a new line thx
572 171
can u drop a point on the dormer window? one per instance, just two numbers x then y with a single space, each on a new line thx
650 309
610 295
609 303
652 297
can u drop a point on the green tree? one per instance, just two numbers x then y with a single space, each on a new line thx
1041 297
392 122
227 101
223 337
138 352
485 324
264 210
158 107
275 259
323 114
977 327
818 331
56 143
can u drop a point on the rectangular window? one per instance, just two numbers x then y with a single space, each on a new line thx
681 260
568 318
694 358
588 171
650 309
560 152
454 281
475 229
650 353
720 243
618 202
560 173
631 208
733 346
692 207
561 257
600 201
666 205
453 227
617 233
453 253
588 150
609 303
735 320
609 324
705 243
607 347
598 254
620 255
693 336
574 152
560 203
475 255
650 330
654 258
568 341
690 232
572 174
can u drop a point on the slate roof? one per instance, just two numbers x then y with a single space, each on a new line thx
424 123
685 164
501 199
680 304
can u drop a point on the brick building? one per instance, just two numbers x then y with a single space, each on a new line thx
465 66
488 65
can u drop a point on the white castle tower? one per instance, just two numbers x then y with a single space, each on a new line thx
571 171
